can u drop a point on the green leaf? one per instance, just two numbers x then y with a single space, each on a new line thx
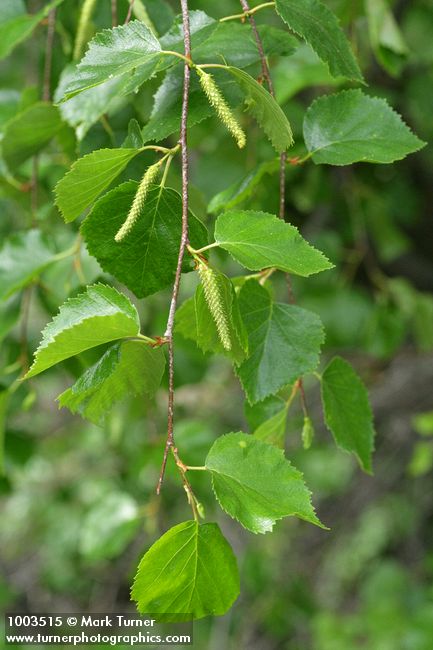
98 315
128 49
259 240
234 44
265 109
85 109
9 105
4 403
284 341
194 322
190 572
347 411
9 315
29 132
351 127
88 177
201 26
185 321
207 335
243 189
385 36
108 527
317 25
302 70
128 368
255 484
23 256
11 9
257 414
134 139
146 260
274 429
19 27
166 111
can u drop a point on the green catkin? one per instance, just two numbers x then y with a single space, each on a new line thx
137 205
212 294
83 27
223 110
307 432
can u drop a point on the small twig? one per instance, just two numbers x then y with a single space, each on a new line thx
303 398
34 190
267 76
24 357
114 20
248 12
129 14
46 94
183 243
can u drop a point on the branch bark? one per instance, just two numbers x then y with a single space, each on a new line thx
46 93
114 20
128 15
267 77
183 241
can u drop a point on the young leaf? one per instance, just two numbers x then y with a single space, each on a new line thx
166 111
134 139
190 572
185 320
284 341
257 414
234 44
255 484
146 260
201 26
88 177
259 240
108 527
130 48
243 189
98 315
274 429
19 27
85 109
385 36
317 25
208 338
128 368
23 256
351 127
29 132
265 109
347 411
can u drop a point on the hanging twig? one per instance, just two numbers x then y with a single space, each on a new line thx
128 15
267 77
283 157
183 241
114 21
46 93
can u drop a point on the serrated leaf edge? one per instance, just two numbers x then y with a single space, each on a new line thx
275 519
378 100
70 301
277 219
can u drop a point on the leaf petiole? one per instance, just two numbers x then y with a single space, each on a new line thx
246 14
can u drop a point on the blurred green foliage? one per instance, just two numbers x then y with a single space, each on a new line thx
77 502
